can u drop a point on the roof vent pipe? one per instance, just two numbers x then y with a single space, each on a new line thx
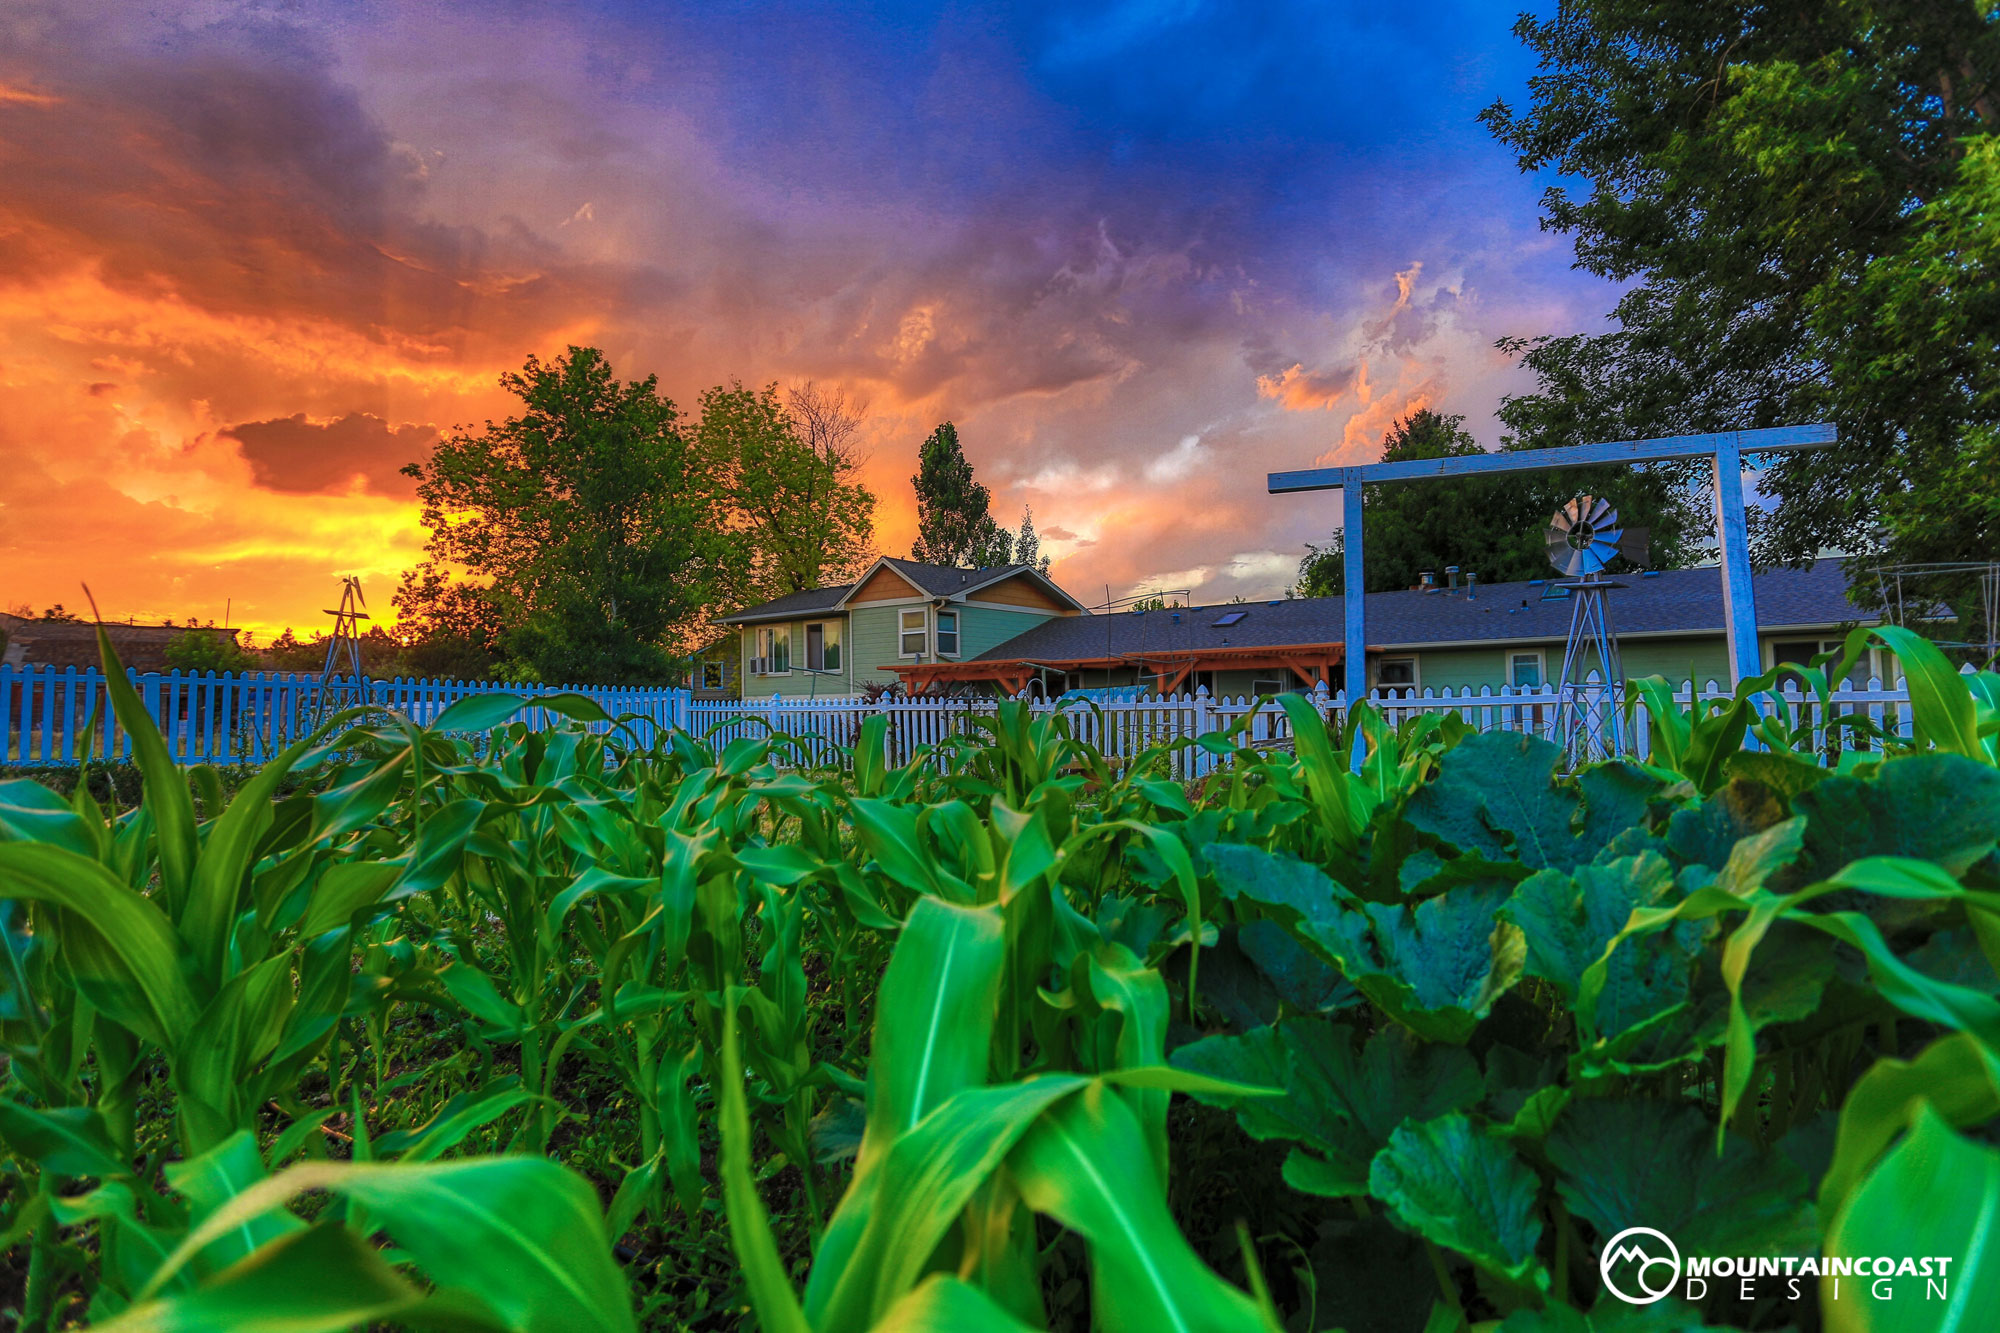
1451 572
1471 584
1427 580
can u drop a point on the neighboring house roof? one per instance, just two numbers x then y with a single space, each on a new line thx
945 581
73 643
1681 601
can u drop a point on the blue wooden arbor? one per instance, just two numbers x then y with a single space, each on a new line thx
1725 450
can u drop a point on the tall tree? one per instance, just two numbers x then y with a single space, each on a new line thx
1028 543
587 521
1803 202
1493 526
789 473
954 522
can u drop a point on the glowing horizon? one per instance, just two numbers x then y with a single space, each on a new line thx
248 267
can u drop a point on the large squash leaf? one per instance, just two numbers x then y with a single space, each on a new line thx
1458 1186
1497 797
1567 920
1339 1106
1936 807
1437 968
1623 1163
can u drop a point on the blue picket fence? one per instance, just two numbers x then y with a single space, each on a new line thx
53 716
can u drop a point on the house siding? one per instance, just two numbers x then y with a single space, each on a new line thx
874 630
982 628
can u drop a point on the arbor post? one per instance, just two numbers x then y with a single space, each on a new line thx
1732 531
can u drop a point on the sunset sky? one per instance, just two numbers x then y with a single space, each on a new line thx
253 257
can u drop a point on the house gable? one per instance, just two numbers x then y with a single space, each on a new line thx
884 585
1022 591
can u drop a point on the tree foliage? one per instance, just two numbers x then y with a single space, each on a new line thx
1493 526
954 523
1028 544
788 468
205 650
587 521
1804 203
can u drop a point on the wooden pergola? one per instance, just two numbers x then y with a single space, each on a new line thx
1310 663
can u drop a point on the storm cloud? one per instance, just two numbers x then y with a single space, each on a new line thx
249 264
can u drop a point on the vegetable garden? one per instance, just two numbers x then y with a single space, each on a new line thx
481 1027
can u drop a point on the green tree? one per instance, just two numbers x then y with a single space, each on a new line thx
1028 544
587 521
954 522
789 473
206 650
1493 526
1803 203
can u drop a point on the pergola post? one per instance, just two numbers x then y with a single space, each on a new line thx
1732 531
1354 600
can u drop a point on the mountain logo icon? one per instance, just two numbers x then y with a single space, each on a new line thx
1633 1263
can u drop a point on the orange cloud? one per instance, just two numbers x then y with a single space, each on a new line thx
1301 390
26 96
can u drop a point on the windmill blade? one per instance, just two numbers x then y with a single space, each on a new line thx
1600 511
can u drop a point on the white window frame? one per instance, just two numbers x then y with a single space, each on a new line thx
904 631
1541 657
1257 690
956 632
768 638
830 636
1416 680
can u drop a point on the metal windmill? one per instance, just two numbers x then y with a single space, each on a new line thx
340 679
1583 537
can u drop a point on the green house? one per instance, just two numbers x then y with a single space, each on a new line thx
898 615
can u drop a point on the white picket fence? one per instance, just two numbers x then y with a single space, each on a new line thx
47 714
57 716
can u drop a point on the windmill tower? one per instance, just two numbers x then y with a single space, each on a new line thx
341 681
1583 537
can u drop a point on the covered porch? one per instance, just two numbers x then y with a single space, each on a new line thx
1158 671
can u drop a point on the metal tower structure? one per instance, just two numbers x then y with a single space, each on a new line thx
341 680
1583 537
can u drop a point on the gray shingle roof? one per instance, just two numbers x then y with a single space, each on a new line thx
937 580
1680 601
791 604
944 580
